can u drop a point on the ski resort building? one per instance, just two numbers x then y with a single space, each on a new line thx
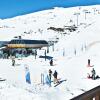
22 47
22 43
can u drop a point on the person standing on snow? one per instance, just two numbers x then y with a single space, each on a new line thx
93 74
51 62
50 73
55 77
27 75
47 79
13 61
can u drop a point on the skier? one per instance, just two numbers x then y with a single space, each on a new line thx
55 77
88 62
51 62
13 61
93 74
50 73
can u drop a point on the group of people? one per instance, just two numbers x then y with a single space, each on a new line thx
55 74
93 74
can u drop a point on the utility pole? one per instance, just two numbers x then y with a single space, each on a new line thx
77 15
94 10
86 11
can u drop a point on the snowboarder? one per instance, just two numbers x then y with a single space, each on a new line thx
55 77
51 62
93 74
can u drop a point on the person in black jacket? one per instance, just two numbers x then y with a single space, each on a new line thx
93 74
13 61
50 73
51 62
55 77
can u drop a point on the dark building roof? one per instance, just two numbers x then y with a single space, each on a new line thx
25 41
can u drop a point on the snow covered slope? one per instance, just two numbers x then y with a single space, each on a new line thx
70 53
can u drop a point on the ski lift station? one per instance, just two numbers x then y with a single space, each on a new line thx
23 47
23 43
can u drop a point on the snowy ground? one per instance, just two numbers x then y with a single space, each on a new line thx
70 54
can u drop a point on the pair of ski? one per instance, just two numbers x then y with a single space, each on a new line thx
59 82
48 82
2 79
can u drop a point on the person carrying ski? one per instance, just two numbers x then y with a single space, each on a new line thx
93 73
55 77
